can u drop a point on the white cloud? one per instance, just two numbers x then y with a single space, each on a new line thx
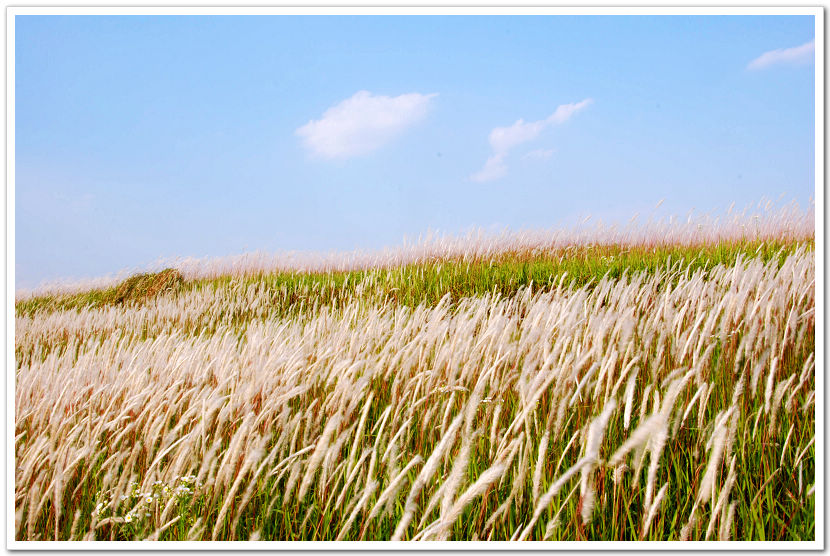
493 169
538 154
795 55
565 111
363 123
503 139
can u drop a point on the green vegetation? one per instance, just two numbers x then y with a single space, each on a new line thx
429 281
135 289
592 393
142 287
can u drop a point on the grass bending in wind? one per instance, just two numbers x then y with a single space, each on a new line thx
658 394
429 281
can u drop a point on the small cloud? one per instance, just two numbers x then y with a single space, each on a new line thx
538 154
363 123
565 111
503 139
795 55
493 169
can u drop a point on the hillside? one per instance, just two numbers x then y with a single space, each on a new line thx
582 392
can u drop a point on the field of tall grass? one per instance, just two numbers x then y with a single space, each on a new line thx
537 390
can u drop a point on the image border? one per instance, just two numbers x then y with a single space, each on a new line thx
818 544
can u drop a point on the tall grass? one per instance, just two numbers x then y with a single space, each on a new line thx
670 400
764 222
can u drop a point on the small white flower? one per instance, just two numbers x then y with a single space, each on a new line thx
128 518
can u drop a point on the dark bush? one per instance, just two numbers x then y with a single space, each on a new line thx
146 286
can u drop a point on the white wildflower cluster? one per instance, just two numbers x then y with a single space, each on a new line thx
186 486
135 505
101 509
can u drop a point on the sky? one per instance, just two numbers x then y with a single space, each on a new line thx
147 137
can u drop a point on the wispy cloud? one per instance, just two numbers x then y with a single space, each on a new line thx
504 139
795 55
363 123
494 169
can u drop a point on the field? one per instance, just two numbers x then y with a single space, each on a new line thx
612 389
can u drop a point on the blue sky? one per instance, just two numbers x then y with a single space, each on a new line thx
145 137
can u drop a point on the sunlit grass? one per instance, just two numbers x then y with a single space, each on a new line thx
477 398
428 282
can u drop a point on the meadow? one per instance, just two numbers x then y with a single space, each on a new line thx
538 387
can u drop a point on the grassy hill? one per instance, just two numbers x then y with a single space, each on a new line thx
592 392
